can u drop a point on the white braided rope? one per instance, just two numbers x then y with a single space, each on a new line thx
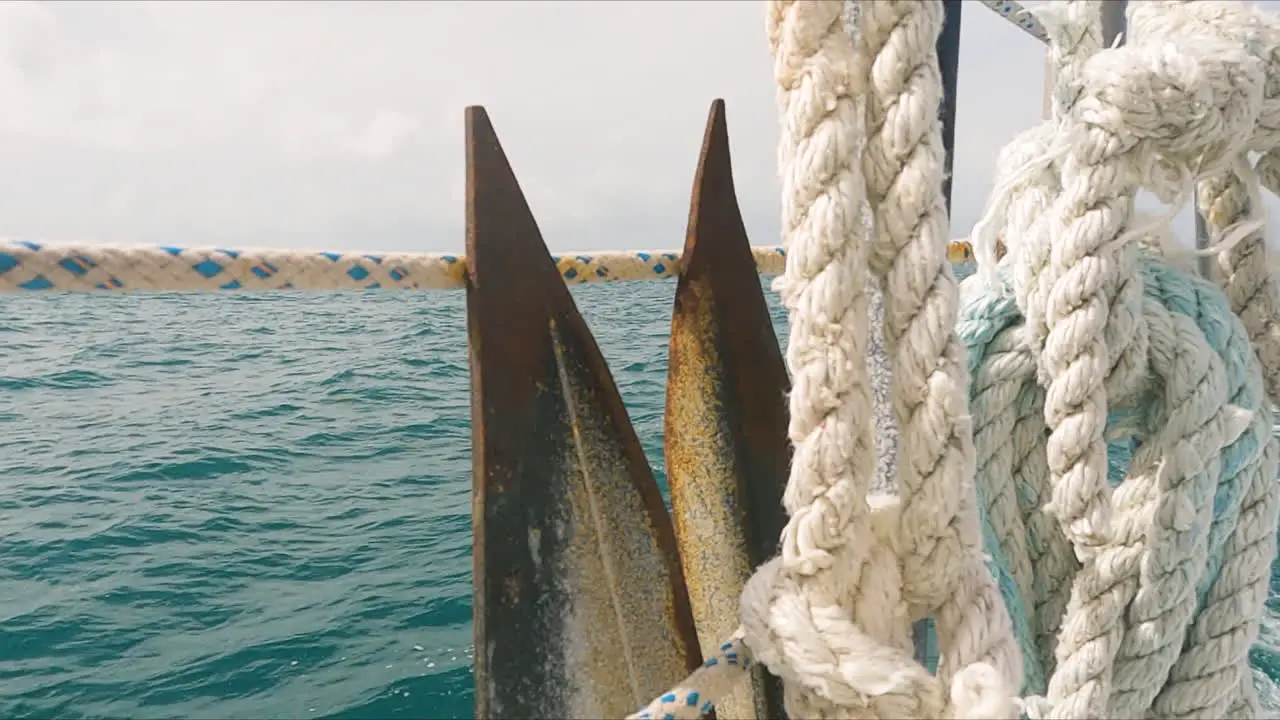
1220 643
27 266
800 612
1136 640
1230 199
828 616
943 573
1074 31
1124 627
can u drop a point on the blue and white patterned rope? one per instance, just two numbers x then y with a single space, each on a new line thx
27 266
1015 13
696 696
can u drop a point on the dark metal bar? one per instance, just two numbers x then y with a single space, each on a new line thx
1205 262
726 441
580 607
1113 21
949 62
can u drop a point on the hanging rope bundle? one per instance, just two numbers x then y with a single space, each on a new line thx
1087 491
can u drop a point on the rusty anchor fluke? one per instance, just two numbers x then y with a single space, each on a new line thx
726 445
580 607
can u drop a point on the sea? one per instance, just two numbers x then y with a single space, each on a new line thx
257 506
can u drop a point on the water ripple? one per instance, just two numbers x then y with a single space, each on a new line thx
258 505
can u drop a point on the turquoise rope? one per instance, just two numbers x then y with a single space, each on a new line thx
1201 301
982 318
987 314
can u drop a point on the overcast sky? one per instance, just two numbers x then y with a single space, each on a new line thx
336 125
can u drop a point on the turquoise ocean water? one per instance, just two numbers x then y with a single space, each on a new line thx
257 506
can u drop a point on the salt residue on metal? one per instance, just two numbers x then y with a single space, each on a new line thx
580 605
619 638
726 416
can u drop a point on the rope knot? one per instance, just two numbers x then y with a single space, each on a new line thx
800 631
1177 102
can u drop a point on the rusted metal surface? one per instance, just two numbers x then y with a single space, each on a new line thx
580 605
726 447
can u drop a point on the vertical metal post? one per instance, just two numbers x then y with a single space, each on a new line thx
1205 262
1113 22
949 63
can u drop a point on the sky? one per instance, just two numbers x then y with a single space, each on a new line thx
339 125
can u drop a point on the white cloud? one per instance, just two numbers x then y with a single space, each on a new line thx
340 124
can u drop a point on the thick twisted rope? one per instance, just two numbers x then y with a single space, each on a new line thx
1074 32
829 547
1102 666
1166 604
827 616
990 321
1240 540
938 523
1230 199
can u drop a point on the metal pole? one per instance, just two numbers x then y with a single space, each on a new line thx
1204 263
1113 22
949 63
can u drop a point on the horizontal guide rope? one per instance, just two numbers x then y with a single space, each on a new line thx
27 266
1015 13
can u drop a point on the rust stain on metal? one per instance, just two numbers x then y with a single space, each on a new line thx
580 606
726 447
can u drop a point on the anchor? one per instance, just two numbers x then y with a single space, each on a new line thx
581 604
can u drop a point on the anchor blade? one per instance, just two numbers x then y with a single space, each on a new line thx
726 446
580 607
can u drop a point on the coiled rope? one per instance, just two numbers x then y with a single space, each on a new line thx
1087 477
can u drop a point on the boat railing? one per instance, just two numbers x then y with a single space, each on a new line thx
38 266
